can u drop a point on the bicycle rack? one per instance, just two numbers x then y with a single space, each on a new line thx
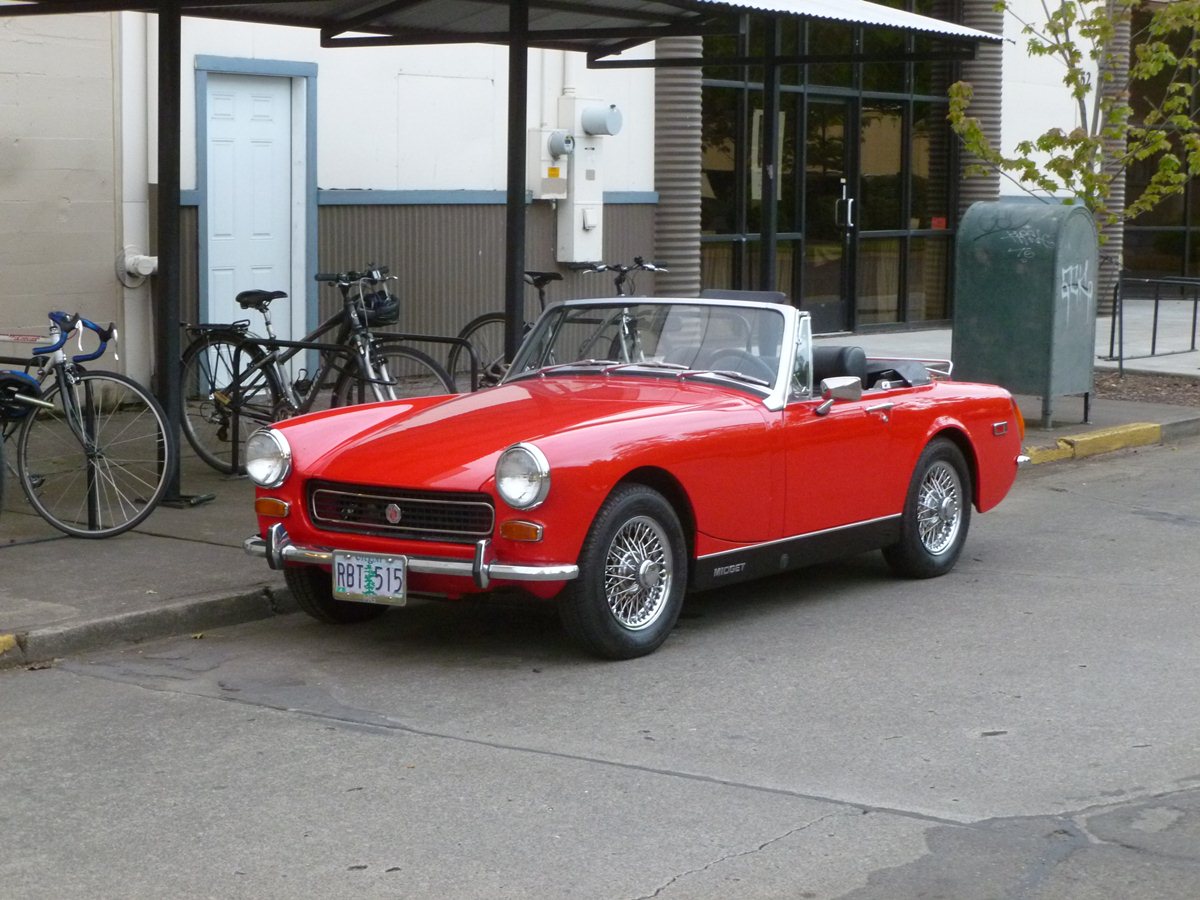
334 349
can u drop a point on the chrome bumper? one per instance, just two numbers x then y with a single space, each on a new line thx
277 549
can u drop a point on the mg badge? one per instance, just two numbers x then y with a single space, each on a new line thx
392 513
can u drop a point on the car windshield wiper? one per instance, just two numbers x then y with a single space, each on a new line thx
577 364
647 364
728 373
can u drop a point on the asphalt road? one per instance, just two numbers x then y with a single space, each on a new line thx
1026 727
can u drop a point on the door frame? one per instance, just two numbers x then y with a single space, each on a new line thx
303 76
851 105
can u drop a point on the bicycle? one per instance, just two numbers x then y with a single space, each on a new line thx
485 333
625 276
230 375
92 451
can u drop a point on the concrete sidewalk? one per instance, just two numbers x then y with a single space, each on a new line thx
183 570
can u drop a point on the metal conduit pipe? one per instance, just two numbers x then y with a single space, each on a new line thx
677 134
985 74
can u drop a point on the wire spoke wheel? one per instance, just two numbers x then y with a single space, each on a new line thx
633 571
637 573
936 515
939 508
96 464
217 380
409 373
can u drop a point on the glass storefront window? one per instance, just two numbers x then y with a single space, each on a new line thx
878 296
929 155
880 166
1154 252
927 272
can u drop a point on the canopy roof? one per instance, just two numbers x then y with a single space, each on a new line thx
600 27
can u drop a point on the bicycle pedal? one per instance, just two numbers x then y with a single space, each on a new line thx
302 385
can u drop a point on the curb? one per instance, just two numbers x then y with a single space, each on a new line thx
1103 440
195 614
1119 437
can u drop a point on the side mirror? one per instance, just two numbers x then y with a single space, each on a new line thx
841 387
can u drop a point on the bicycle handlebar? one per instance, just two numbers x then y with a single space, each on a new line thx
639 264
372 274
67 323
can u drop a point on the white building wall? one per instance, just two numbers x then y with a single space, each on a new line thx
423 118
1034 98
58 184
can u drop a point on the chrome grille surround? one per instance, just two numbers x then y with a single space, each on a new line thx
458 518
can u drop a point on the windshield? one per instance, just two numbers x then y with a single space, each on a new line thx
732 342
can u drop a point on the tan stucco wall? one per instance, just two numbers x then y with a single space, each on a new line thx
58 182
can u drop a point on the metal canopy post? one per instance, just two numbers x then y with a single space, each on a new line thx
514 222
167 279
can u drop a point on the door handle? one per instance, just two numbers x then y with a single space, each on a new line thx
843 214
882 408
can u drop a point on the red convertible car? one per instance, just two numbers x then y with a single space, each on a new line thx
637 449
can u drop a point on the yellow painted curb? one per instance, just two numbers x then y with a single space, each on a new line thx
1039 455
7 642
1104 440
1138 434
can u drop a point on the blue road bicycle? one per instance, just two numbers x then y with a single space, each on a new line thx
92 455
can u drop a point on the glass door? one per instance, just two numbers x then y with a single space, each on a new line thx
830 213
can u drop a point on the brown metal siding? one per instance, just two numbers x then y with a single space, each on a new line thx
449 259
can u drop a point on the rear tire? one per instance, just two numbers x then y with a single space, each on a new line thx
486 335
937 514
412 373
207 382
313 589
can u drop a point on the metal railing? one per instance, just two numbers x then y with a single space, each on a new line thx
1157 290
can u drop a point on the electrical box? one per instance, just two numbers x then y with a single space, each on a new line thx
548 159
581 211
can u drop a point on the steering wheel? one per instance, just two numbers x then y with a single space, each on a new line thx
741 361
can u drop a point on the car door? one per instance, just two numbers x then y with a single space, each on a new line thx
841 467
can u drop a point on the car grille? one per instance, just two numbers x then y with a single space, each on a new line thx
415 515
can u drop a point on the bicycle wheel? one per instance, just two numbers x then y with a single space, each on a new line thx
212 390
413 373
97 463
486 334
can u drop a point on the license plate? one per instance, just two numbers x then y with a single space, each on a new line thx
370 577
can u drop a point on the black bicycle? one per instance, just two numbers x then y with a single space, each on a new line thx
485 333
92 450
234 381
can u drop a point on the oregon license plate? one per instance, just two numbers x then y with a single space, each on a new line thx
370 577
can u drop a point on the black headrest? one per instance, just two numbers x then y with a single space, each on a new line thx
829 362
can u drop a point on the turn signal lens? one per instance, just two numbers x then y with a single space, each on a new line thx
1020 421
515 530
271 506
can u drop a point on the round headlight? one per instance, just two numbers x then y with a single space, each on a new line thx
522 476
268 458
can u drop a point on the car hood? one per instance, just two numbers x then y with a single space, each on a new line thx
453 444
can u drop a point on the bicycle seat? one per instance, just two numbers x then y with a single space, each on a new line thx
258 299
541 279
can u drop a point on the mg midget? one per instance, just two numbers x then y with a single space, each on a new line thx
635 450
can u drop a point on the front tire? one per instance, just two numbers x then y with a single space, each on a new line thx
937 514
632 576
313 589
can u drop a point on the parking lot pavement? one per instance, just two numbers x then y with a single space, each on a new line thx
183 570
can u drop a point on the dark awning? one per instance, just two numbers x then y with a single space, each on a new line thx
599 27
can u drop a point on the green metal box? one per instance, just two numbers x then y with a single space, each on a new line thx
1025 298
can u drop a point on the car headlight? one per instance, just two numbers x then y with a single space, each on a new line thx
522 476
268 458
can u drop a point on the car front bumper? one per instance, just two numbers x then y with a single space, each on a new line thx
277 548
